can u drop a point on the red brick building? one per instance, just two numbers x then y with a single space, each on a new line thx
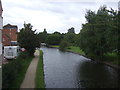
9 35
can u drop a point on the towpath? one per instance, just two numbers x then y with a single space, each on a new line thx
29 80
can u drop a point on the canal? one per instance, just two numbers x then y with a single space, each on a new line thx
68 70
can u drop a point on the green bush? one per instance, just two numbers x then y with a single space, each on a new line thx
9 72
14 68
53 39
23 55
63 45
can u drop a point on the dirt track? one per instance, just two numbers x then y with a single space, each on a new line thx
29 80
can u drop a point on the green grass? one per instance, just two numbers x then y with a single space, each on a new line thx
20 76
56 46
111 58
39 80
72 48
76 50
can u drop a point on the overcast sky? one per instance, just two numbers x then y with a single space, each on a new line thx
54 15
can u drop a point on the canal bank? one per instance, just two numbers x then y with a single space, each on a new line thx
103 62
39 79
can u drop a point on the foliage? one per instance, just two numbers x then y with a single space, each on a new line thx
118 28
9 74
76 40
55 46
53 39
23 55
69 36
57 33
39 80
63 45
99 35
28 39
16 68
76 50
71 30
42 36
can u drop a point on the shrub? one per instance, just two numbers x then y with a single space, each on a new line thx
9 74
63 45
11 70
23 55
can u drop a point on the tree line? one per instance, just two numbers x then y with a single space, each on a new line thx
99 35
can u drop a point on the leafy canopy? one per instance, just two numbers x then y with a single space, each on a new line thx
28 39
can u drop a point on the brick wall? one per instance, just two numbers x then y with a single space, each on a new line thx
9 34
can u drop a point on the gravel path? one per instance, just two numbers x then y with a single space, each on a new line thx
29 80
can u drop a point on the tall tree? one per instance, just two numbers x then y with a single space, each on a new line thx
43 36
71 30
69 36
53 39
97 34
28 39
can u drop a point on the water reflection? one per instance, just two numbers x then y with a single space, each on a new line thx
68 70
93 75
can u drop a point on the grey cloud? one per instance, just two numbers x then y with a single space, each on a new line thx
65 11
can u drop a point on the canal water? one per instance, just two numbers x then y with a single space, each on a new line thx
68 70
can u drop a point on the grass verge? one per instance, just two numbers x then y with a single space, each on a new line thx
76 50
72 49
39 80
55 46
112 58
20 77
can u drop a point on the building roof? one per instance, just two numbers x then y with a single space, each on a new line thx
9 26
1 9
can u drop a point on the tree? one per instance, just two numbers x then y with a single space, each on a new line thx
113 35
28 39
43 36
71 30
45 32
95 34
76 39
53 39
118 25
63 45
69 36
58 33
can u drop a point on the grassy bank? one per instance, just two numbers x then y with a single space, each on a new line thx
76 50
54 46
39 80
112 58
21 74
14 72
